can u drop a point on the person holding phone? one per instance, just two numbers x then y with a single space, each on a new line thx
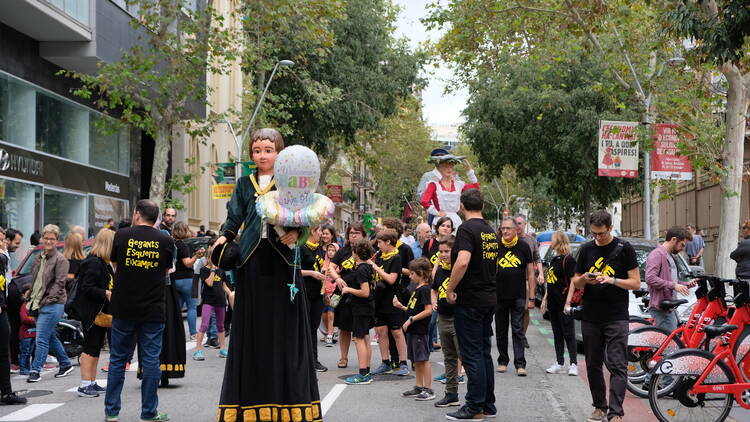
606 269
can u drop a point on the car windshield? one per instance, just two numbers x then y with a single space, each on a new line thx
29 263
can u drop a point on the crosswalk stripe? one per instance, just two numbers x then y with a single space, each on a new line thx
30 412
331 397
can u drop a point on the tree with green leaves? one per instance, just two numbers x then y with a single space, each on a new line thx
720 30
160 82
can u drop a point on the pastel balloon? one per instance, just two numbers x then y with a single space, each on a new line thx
297 173
319 210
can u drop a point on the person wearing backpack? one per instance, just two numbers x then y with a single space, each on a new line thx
607 268
558 293
90 300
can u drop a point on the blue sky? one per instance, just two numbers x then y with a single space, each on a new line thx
439 108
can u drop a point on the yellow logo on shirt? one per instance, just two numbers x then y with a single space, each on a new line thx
434 258
608 271
348 264
443 289
509 261
2 283
551 277
412 300
111 283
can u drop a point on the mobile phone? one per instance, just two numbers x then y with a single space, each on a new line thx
589 275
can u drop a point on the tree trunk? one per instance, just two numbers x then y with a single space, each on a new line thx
654 219
163 142
731 181
325 168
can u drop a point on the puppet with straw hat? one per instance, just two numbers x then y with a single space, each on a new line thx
442 197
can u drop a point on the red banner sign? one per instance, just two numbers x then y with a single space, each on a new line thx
335 192
666 163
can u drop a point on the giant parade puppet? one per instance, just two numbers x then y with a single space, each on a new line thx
442 194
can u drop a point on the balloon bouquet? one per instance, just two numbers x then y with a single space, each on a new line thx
294 203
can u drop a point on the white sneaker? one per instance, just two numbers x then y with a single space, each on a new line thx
573 370
556 369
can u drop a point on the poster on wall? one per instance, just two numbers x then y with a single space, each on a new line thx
618 149
335 192
101 209
666 162
223 178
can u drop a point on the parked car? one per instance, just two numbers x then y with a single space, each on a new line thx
642 248
22 274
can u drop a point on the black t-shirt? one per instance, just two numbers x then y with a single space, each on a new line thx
431 250
440 285
355 279
213 295
406 255
384 292
419 298
478 286
512 270
558 279
143 255
74 266
343 259
311 257
180 270
605 302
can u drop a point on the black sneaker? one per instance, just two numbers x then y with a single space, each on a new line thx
426 394
12 398
213 343
488 413
465 414
448 401
98 388
64 371
414 392
525 343
34 377
319 367
87 392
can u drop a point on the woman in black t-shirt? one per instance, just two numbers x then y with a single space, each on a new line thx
73 252
312 262
443 230
182 277
344 262
557 297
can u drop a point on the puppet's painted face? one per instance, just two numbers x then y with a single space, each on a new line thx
264 154
446 169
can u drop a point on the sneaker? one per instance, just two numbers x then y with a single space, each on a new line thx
111 418
34 377
465 414
48 366
192 337
382 369
414 392
573 370
64 371
441 378
426 394
105 368
556 369
159 417
14 369
319 367
127 366
403 371
448 400
198 355
329 341
616 419
11 399
521 372
525 343
502 368
462 379
488 413
359 379
98 387
87 391
598 415
223 353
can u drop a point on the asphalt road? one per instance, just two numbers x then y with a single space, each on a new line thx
538 397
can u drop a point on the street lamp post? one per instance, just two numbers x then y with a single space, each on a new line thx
288 63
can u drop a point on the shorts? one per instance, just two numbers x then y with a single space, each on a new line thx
329 309
93 340
418 347
393 321
343 317
361 325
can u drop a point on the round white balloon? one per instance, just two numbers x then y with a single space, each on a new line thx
297 173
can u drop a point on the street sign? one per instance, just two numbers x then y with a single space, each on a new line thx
335 192
666 163
618 149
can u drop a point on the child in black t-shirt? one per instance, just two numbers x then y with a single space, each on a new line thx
356 286
419 310
214 298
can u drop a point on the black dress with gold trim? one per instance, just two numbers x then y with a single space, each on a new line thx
269 374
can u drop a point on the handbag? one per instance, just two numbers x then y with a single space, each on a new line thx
335 299
103 320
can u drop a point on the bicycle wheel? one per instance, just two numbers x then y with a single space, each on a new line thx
678 404
647 337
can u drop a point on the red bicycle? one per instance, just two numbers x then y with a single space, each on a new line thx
704 385
647 345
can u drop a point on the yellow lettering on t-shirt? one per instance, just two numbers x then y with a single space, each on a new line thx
412 300
443 289
348 264
608 271
551 277
509 261
142 254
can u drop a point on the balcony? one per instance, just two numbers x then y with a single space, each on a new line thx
49 20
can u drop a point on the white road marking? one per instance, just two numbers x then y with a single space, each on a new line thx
101 383
30 412
190 345
331 397
439 362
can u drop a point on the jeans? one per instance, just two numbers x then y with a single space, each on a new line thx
510 311
47 341
432 330
5 387
474 330
666 320
185 290
606 343
125 334
451 355
26 347
211 333
564 331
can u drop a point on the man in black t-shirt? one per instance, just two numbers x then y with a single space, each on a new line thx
515 276
472 289
607 268
141 255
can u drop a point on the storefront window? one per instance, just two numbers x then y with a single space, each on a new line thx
20 208
39 120
102 209
64 209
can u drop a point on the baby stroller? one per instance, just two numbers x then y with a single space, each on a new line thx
70 332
